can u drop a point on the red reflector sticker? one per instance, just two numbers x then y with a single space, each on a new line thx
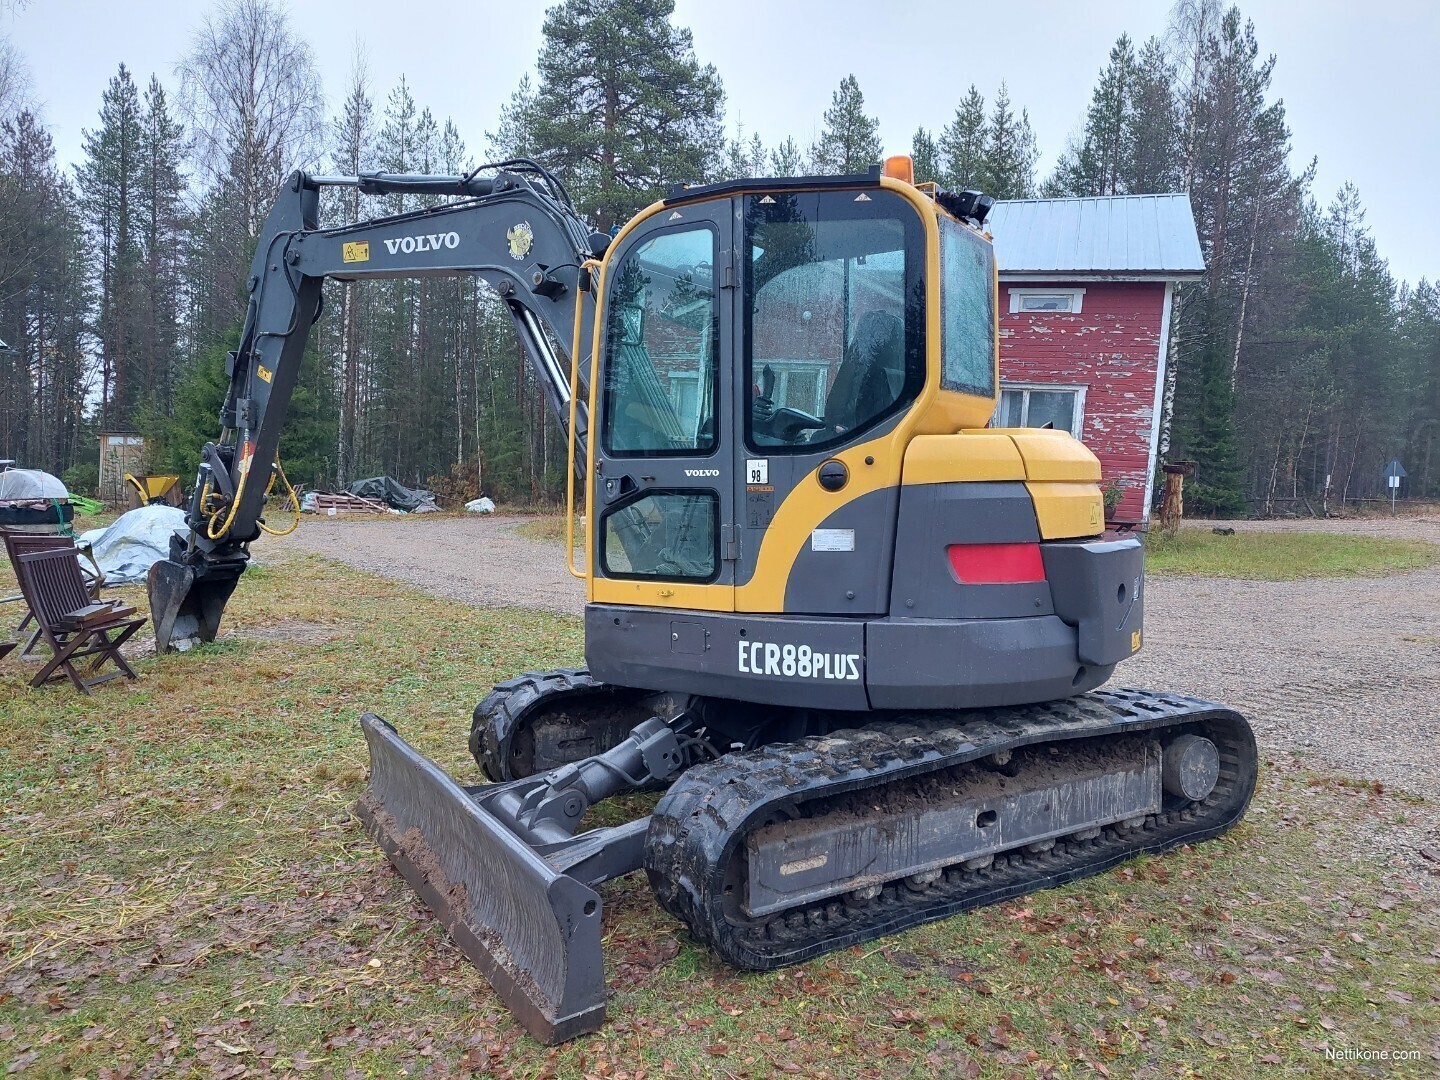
996 564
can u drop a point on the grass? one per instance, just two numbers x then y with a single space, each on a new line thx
183 890
549 527
1283 556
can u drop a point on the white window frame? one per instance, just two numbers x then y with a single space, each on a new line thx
783 369
676 377
1078 389
1077 299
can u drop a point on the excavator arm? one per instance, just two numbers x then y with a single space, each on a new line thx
515 229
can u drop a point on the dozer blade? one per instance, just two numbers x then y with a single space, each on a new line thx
533 931
186 601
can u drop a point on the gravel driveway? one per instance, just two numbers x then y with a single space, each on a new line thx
1344 672
478 559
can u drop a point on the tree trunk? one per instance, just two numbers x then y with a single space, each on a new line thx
1245 296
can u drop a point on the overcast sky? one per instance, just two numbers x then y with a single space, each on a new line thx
1359 82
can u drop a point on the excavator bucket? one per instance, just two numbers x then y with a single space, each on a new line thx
532 929
186 601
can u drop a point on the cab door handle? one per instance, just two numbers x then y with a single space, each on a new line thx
617 487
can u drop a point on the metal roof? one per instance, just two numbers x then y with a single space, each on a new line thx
1113 235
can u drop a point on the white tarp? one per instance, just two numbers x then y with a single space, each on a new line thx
482 505
135 542
26 485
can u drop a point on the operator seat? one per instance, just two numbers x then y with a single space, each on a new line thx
872 376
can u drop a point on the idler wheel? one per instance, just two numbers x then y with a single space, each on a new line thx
1190 768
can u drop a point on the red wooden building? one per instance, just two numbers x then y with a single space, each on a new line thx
1086 287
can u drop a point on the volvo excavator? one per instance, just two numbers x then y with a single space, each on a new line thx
853 635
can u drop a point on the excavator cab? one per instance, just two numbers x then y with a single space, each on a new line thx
789 449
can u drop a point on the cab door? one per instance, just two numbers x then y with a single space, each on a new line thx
831 321
664 512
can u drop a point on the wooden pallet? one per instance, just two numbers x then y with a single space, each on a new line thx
330 505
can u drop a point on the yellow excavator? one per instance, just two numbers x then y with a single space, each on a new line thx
856 635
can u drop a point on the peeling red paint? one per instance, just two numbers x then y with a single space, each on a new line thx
1111 347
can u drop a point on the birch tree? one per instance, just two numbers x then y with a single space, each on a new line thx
252 98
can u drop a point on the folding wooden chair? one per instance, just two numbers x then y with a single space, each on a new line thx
70 622
19 543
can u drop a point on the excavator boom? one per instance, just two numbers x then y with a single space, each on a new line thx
515 230
538 937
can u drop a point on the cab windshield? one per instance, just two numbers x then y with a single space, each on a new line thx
834 315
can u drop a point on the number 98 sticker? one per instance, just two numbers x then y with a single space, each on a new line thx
757 470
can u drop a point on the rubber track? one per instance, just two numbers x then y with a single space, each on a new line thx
516 703
700 824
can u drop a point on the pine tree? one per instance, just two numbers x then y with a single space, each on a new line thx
786 159
44 301
850 141
1096 165
305 445
1131 140
1418 345
351 150
515 136
962 146
623 109
743 157
1010 151
1246 203
398 150
925 156
111 180
1151 161
162 192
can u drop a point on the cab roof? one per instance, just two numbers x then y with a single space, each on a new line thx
688 192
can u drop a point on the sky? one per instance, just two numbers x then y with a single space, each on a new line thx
1359 82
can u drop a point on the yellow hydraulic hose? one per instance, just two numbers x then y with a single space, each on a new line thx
215 534
290 499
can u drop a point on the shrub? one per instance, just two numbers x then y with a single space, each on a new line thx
82 478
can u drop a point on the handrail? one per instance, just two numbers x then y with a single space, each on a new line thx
592 267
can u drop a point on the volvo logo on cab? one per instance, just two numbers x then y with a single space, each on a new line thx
797 662
702 472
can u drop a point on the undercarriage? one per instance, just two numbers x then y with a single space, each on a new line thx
782 834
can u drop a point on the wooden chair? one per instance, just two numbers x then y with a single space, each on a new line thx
72 624
19 543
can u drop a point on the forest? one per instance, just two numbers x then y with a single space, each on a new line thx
1298 365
